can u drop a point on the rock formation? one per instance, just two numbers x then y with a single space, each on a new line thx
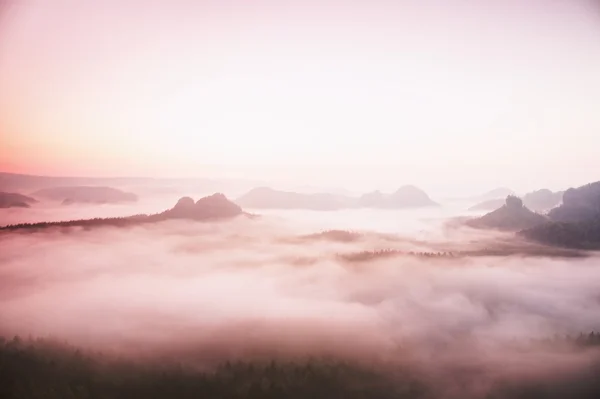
513 216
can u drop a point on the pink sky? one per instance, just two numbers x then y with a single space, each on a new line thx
381 92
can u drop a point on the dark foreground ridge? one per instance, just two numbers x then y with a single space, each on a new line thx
213 207
41 369
45 369
578 235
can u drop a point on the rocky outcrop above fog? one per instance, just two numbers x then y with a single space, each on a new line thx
512 216
215 206
405 197
539 201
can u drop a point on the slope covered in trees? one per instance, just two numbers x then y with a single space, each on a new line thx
38 369
579 204
580 235
213 207
575 223
43 369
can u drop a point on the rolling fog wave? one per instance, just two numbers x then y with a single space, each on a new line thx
251 287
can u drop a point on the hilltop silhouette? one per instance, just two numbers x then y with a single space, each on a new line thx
372 199
85 194
215 206
268 198
15 200
573 224
539 201
512 216
211 208
405 197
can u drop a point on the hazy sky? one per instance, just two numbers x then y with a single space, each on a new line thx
440 93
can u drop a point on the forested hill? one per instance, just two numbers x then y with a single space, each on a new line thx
575 223
214 207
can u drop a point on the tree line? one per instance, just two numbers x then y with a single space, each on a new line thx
33 368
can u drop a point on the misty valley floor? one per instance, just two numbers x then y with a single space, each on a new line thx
265 308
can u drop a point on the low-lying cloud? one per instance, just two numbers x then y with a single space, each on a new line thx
256 288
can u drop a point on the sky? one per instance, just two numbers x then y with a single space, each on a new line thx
449 95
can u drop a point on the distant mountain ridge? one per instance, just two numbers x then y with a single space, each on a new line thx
489 205
497 193
86 194
408 196
211 208
15 200
24 183
268 198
